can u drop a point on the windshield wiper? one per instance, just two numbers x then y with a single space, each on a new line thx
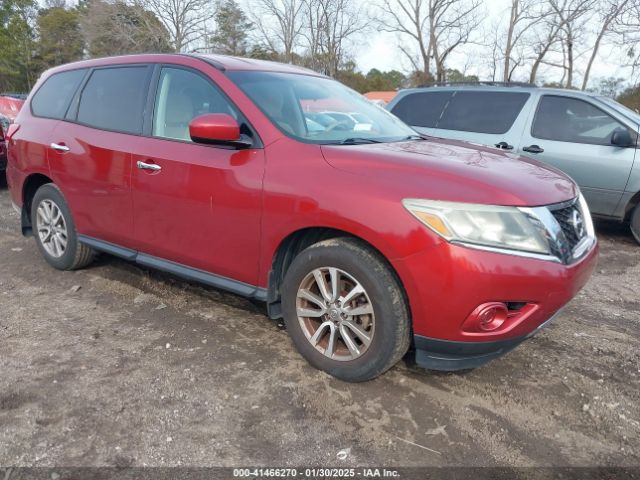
358 140
415 137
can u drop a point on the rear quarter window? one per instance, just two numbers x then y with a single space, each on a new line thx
421 109
482 111
53 97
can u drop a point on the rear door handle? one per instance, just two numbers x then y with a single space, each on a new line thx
533 149
504 146
148 166
59 147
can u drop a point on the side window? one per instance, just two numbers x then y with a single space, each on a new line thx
114 98
567 119
183 95
483 111
53 97
422 109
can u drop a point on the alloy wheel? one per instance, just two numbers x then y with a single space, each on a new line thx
335 313
52 228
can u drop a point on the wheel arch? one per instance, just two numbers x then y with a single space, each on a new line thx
633 202
296 242
29 188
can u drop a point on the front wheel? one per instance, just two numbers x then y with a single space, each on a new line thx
635 223
345 310
55 231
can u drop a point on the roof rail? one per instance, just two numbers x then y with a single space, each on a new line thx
479 83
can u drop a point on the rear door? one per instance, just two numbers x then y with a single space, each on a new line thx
486 117
574 135
199 205
90 153
422 109
494 118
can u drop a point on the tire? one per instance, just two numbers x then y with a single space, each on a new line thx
73 255
635 223
387 326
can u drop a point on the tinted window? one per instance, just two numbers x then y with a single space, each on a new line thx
421 109
53 97
113 99
571 120
183 95
482 111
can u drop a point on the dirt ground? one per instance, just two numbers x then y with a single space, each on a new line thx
118 365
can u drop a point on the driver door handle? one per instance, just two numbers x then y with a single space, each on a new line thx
533 149
148 166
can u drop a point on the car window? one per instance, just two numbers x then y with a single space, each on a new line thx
290 99
53 97
422 109
183 95
567 119
113 99
482 111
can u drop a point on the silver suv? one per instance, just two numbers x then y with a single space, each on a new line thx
590 137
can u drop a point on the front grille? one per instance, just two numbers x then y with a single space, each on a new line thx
572 223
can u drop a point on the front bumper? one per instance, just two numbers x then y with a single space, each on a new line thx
446 284
450 356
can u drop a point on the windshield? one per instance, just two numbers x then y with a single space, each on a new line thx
319 110
627 112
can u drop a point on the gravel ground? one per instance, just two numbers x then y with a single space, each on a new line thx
118 365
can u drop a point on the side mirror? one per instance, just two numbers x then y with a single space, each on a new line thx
621 138
217 129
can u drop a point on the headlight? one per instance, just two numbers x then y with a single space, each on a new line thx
485 225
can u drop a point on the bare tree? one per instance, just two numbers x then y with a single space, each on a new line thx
280 24
572 16
409 18
184 19
330 26
546 37
523 16
609 11
452 24
438 27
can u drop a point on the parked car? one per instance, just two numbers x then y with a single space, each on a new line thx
365 242
10 104
592 138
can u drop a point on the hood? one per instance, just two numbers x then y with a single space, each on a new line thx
454 171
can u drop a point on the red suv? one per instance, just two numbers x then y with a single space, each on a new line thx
366 237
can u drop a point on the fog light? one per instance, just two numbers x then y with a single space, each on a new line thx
487 317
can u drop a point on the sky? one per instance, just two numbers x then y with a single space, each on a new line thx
381 52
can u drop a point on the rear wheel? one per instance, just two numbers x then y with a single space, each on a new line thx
345 310
55 231
635 223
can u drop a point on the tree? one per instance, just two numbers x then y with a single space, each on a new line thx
185 20
118 29
60 37
232 27
523 16
331 25
17 43
280 24
609 11
571 16
438 27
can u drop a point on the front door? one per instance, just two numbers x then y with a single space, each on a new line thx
575 136
196 205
